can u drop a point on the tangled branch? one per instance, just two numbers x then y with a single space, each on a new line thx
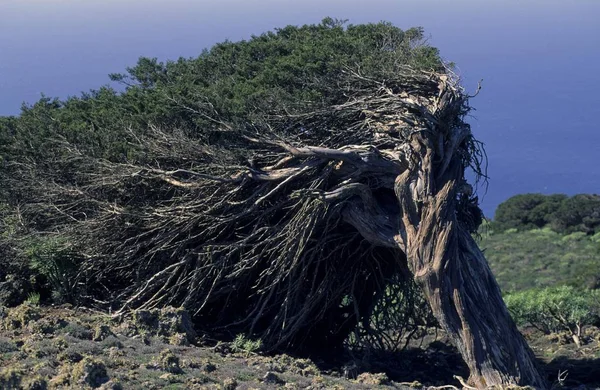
286 228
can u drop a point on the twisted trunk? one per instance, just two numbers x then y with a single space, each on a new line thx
454 275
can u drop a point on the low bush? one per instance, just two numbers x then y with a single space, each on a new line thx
33 298
244 344
556 309
55 260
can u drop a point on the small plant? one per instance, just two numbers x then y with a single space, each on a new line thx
90 372
33 298
83 348
169 362
10 378
7 345
78 331
55 259
21 316
244 344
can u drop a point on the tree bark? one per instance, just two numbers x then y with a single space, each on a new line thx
457 282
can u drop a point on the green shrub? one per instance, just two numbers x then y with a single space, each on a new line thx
169 362
10 378
10 221
91 372
33 298
7 345
54 258
579 213
243 344
555 309
78 331
519 212
576 236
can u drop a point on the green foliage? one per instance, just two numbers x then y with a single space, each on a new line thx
169 362
33 298
518 212
10 223
541 258
579 213
54 259
286 71
241 343
291 66
10 378
555 309
577 236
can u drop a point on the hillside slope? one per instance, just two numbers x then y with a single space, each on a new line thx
542 258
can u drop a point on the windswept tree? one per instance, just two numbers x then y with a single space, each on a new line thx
274 187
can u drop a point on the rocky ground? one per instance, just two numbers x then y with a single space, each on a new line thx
75 348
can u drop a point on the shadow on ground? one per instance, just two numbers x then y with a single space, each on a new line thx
434 365
438 363
578 372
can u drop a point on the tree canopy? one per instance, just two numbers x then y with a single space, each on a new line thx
563 214
290 70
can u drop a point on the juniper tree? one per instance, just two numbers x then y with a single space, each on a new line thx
273 187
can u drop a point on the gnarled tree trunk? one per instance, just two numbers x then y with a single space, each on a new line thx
453 273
